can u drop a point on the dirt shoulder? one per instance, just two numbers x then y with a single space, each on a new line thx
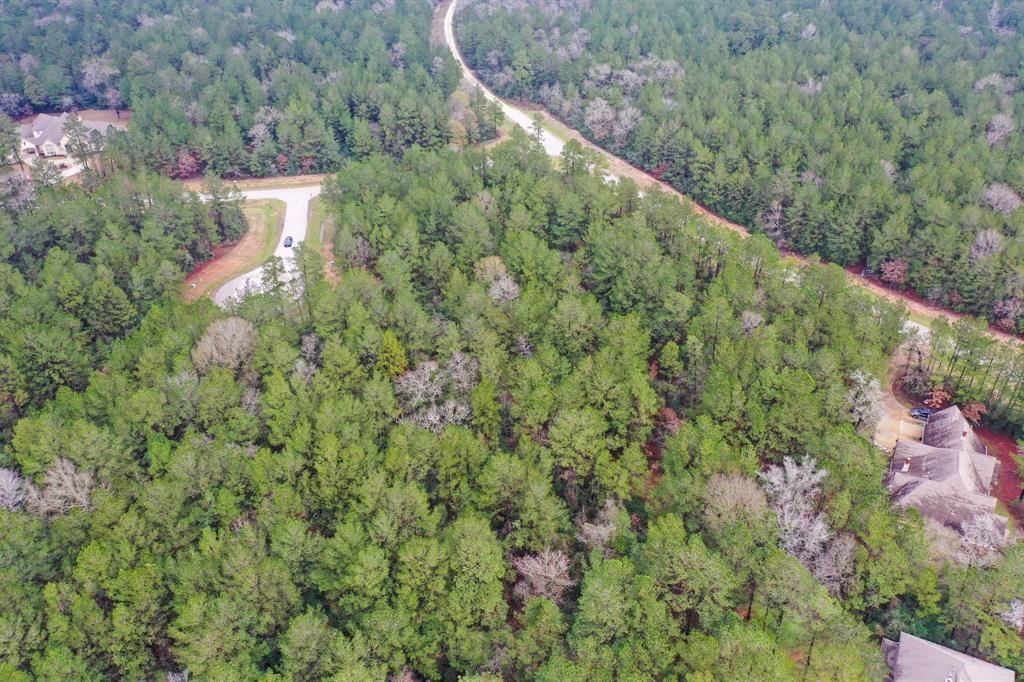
266 220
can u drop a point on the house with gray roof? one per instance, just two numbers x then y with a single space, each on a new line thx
45 135
948 476
913 659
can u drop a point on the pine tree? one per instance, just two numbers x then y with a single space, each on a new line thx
391 357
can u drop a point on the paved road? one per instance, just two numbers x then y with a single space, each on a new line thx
296 220
552 145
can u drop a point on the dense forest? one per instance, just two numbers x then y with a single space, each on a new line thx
534 426
236 88
542 428
81 266
882 133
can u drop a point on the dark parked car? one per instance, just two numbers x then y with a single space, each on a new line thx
287 242
921 412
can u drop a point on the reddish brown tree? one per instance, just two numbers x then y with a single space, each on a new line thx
938 398
975 411
895 272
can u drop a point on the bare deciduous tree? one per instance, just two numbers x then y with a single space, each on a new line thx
436 417
626 120
980 540
812 86
732 498
12 489
793 482
335 6
599 74
503 289
433 396
420 386
999 128
97 73
895 271
889 168
599 117
597 534
864 399
793 490
398 51
813 178
310 349
987 243
304 371
1003 84
64 489
251 397
462 371
803 534
226 343
1001 198
771 222
750 321
1007 311
543 575
523 345
834 566
1014 614
995 20
916 380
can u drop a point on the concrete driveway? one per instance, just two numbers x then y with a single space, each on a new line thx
897 424
296 220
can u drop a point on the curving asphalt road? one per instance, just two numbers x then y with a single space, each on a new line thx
296 220
552 145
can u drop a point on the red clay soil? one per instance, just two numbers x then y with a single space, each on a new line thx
211 264
1007 486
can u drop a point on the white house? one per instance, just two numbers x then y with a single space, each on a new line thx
45 135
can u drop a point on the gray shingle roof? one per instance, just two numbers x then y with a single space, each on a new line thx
948 428
946 478
913 659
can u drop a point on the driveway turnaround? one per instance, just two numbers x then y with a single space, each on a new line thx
296 220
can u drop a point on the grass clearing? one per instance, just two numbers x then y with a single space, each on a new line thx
266 221
320 236
321 229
